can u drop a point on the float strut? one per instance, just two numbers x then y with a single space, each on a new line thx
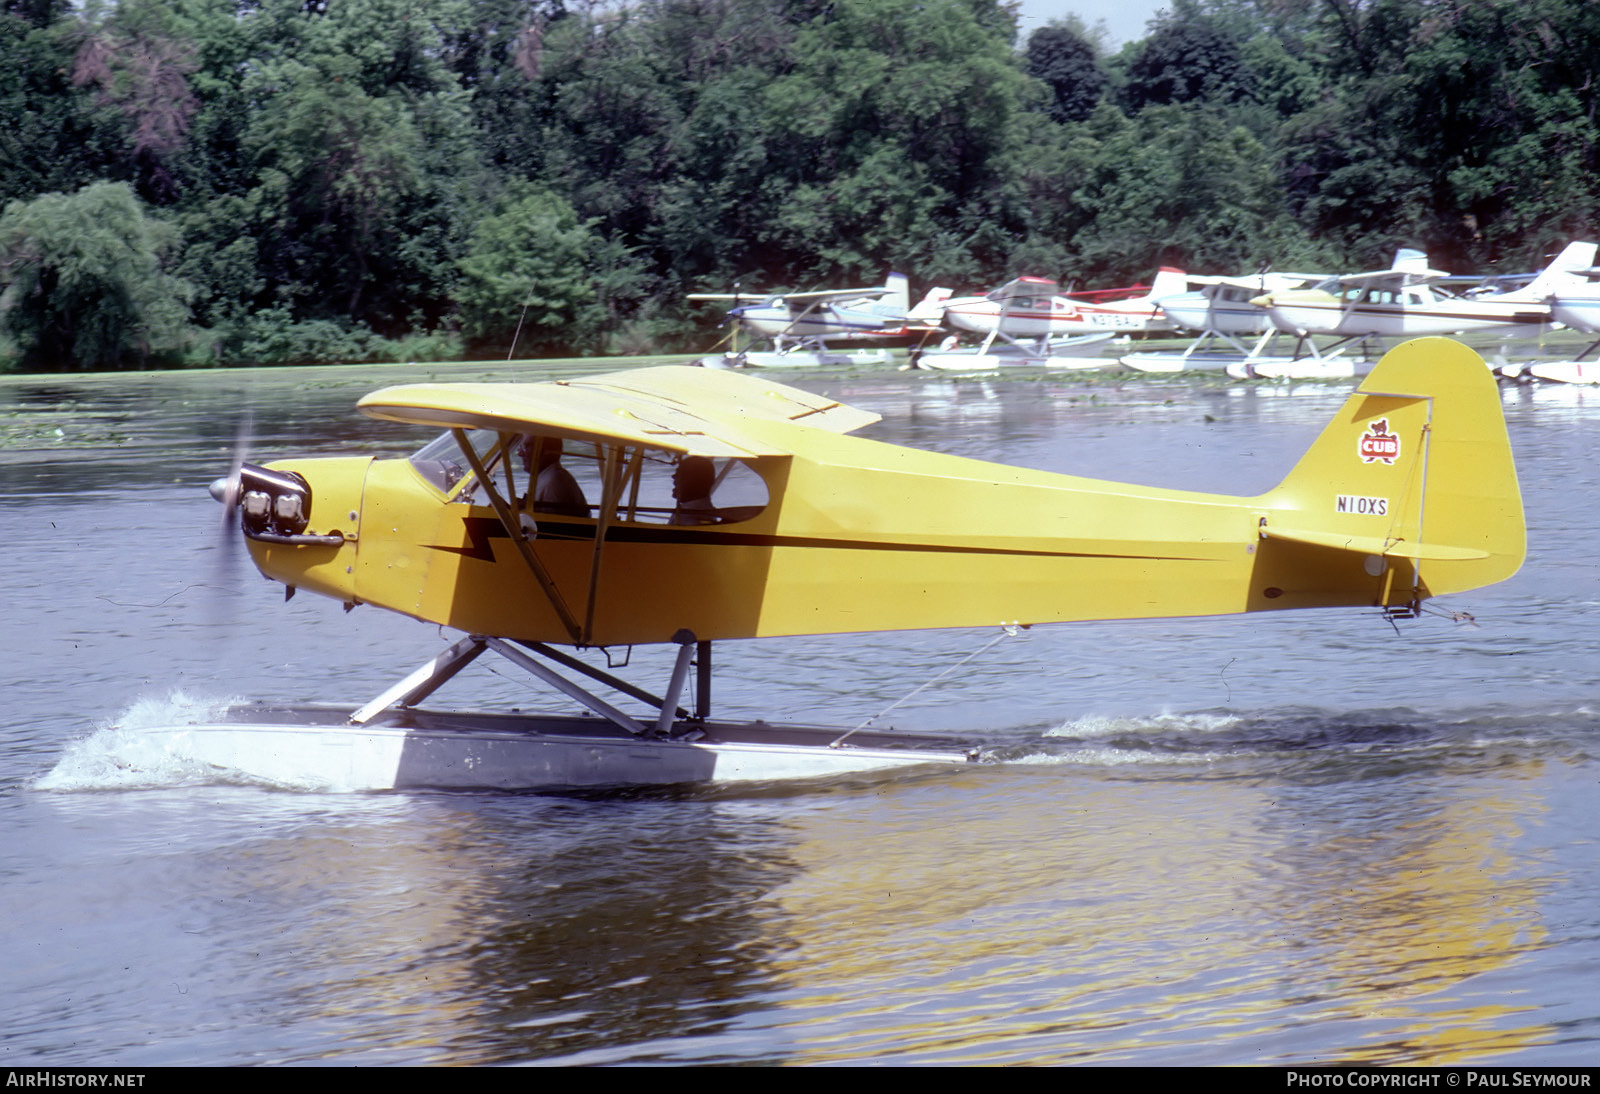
702 691
425 680
565 686
596 674
680 675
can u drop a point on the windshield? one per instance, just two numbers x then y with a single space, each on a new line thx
440 460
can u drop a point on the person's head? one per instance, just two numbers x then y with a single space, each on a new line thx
693 478
549 449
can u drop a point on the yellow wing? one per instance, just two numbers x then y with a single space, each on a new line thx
679 408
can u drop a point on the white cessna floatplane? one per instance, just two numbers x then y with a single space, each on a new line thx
800 324
1043 326
1220 311
1402 302
782 523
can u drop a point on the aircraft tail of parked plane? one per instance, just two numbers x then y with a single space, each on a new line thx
930 309
1168 282
1568 271
897 293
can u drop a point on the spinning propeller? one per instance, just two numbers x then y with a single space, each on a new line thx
272 506
227 490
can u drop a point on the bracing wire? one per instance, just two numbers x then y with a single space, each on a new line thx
1007 630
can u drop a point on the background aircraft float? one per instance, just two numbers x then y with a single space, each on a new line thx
723 506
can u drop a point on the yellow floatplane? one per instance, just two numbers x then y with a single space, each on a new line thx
684 505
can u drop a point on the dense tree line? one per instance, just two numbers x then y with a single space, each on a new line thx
212 181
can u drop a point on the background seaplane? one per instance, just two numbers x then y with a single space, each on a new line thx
685 506
1032 310
1578 308
800 324
1402 302
1220 311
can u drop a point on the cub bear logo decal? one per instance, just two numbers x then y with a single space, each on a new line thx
1378 444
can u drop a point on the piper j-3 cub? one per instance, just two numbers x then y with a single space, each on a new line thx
724 506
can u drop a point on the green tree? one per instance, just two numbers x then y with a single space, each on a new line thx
528 276
1066 64
892 126
1176 186
362 162
142 74
85 281
51 135
1184 61
1467 129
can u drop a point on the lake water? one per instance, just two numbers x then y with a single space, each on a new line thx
1311 838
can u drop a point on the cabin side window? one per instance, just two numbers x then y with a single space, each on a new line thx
558 476
661 488
554 477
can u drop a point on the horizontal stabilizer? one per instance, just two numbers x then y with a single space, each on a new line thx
1374 545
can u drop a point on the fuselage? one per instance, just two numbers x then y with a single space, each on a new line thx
1578 309
811 531
780 320
850 539
1025 312
1408 312
1225 307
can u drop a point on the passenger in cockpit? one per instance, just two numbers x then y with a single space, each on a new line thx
692 481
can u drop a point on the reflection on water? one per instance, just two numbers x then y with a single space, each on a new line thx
1312 838
1024 933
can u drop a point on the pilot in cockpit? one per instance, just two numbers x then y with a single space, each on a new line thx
554 488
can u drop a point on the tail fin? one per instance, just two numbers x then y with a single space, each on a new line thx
1168 282
898 295
1566 272
1414 477
1410 260
930 309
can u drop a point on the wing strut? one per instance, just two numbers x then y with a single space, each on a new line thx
514 530
613 469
